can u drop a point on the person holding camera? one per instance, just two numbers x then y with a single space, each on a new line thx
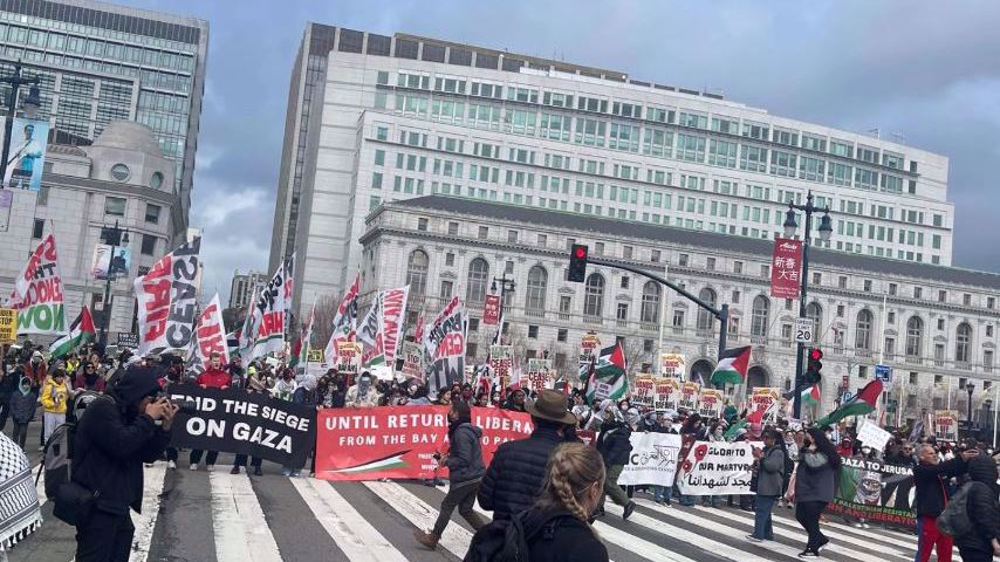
117 433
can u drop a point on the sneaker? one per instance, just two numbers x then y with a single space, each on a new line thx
858 525
172 465
210 467
752 538
194 466
866 526
286 472
629 508
256 471
235 470
822 544
808 554
428 540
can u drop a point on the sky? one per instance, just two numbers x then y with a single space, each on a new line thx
926 70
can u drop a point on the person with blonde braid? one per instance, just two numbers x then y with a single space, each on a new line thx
556 527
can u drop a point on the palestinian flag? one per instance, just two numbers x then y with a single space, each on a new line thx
862 403
608 378
300 350
81 332
811 396
732 367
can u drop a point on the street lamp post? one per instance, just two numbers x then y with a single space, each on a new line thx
506 284
30 105
825 230
970 388
115 237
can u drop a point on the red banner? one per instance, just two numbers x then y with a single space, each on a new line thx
399 442
491 310
786 268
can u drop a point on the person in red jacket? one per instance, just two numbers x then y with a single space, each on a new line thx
213 377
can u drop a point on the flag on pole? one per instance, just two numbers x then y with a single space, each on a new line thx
608 378
812 396
732 367
345 322
862 403
81 332
300 351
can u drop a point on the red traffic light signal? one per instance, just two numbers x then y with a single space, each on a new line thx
815 354
577 263
815 366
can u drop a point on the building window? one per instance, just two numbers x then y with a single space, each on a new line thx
868 285
593 301
840 311
892 289
914 336
120 172
765 271
533 332
447 289
678 319
624 281
988 361
512 237
508 267
862 371
759 318
562 335
114 206
735 297
863 331
963 343
542 240
148 244
705 320
737 267
650 311
940 324
479 272
38 229
152 213
967 299
565 306
991 303
422 225
842 282
654 256
452 229
918 292
449 259
891 317
890 347
156 180
682 260
814 312
942 296
484 232
43 195
621 312
647 346
416 272
538 279
710 264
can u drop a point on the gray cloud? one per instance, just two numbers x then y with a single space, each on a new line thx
924 69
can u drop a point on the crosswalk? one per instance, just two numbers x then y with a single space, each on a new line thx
206 517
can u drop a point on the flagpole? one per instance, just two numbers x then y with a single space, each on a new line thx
996 415
659 343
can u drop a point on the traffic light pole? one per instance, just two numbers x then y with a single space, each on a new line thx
799 346
721 313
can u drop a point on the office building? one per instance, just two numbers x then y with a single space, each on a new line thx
374 118
242 288
101 63
936 326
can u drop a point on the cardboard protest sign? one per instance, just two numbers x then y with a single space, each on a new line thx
717 468
38 292
653 460
234 421
413 360
767 399
399 442
874 436
348 354
167 301
874 491
644 392
668 392
946 425
539 376
688 399
710 403
672 365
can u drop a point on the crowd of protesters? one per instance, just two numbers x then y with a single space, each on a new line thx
544 478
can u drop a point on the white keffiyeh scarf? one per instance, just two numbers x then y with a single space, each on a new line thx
20 513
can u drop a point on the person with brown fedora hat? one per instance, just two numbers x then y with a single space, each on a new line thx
514 479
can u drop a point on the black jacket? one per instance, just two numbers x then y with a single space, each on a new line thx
615 443
465 459
563 539
984 508
515 477
928 479
113 440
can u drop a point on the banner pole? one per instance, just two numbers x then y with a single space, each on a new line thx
996 415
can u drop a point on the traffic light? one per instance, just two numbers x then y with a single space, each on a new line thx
578 263
815 365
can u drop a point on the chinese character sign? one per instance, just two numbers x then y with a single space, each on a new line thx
786 268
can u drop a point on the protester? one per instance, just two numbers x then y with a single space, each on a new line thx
556 526
465 471
614 444
115 436
22 409
362 394
9 380
515 476
54 398
930 477
213 377
88 379
515 401
770 463
983 543
814 487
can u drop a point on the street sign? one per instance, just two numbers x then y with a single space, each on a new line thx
804 329
883 373
8 326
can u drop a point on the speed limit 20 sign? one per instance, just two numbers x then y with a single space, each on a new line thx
804 329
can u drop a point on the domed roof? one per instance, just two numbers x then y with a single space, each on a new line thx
128 135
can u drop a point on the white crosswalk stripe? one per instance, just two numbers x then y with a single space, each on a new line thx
374 522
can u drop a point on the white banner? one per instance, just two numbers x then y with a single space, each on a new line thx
269 315
167 299
393 318
38 293
210 337
653 460
717 469
345 322
371 333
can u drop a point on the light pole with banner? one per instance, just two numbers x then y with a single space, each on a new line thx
30 105
114 237
825 230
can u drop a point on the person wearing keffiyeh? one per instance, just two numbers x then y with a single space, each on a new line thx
20 513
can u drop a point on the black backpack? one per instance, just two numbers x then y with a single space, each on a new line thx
507 540
57 456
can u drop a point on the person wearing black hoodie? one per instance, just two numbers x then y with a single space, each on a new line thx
116 435
465 471
614 443
983 543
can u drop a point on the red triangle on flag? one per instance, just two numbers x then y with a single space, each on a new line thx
87 321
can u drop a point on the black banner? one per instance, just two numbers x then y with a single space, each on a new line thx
236 421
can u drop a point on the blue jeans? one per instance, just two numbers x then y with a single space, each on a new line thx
663 493
762 528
